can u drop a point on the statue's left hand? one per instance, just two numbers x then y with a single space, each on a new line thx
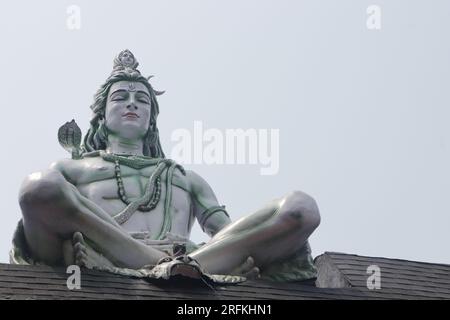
247 269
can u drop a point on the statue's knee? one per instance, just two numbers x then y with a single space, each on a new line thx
303 208
41 189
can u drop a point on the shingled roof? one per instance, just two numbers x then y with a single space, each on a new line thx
341 276
400 279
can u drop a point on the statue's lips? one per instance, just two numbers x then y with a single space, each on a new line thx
131 115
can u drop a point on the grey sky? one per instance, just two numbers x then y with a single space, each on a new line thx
363 115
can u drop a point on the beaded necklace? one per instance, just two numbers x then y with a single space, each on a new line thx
135 162
156 194
152 193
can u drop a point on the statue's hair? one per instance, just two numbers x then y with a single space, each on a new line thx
96 137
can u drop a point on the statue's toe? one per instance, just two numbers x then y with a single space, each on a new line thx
253 274
77 238
81 259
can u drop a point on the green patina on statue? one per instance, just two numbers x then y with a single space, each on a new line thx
119 204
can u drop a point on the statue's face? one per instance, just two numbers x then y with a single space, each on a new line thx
128 109
127 58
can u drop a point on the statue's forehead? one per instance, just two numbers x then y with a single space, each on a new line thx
129 86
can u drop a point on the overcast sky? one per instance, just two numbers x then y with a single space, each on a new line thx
362 114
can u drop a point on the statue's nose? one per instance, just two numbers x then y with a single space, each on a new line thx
132 106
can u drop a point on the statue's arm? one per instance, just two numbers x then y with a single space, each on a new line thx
72 171
211 216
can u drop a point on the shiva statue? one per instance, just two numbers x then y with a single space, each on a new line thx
119 204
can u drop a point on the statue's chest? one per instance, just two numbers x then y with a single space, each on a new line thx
101 186
102 180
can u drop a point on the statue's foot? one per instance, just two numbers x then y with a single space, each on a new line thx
77 251
248 270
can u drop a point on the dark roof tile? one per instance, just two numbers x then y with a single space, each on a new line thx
401 279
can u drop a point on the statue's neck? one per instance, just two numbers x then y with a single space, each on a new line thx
120 145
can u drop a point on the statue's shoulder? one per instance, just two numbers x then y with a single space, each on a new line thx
69 164
196 183
187 180
74 169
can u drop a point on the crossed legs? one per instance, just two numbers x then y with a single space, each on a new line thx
53 210
274 232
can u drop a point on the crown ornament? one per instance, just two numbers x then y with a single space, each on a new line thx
125 60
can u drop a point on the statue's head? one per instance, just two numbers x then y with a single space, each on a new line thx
126 106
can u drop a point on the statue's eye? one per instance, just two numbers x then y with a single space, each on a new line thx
118 98
144 100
